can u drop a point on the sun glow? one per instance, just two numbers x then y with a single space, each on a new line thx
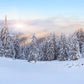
20 25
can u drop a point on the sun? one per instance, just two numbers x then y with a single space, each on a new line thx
19 25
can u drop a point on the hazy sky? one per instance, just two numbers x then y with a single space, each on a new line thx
41 9
28 15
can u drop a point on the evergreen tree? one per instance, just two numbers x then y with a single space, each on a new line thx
34 50
50 48
26 51
43 50
22 54
82 50
17 46
62 48
80 35
11 47
5 34
41 54
56 45
74 51
7 41
1 47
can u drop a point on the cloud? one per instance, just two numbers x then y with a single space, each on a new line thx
57 24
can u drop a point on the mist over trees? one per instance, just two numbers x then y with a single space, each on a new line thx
52 47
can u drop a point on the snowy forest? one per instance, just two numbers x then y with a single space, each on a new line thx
53 47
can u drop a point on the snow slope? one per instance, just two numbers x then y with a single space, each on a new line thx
54 72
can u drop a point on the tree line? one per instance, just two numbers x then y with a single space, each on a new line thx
53 47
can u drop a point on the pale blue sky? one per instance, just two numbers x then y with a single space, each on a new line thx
34 9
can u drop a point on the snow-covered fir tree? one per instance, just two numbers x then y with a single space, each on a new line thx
22 54
26 51
50 48
41 54
48 44
1 47
80 35
43 50
34 50
11 47
5 34
7 41
62 56
82 50
55 42
74 51
17 46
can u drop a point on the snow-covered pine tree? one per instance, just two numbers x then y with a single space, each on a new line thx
5 34
62 48
57 48
1 47
11 50
55 42
22 54
33 50
17 46
44 46
50 48
74 51
82 50
7 41
43 50
26 50
80 35
41 54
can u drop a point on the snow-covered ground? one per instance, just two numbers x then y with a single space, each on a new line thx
54 72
